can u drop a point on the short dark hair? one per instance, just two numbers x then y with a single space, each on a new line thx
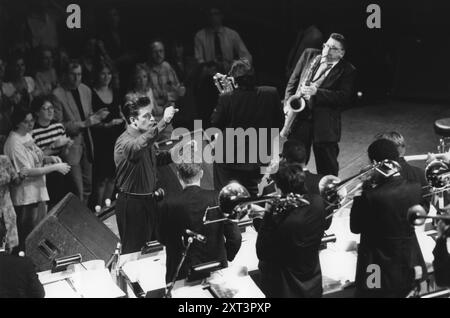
188 171
393 136
241 67
38 101
382 149
19 114
134 102
294 151
340 38
72 64
290 178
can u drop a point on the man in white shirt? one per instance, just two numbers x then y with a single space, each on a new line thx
219 43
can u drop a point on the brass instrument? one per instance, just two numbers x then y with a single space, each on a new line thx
417 215
369 176
297 103
437 174
234 202
224 83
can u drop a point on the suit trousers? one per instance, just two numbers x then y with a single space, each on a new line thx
80 178
137 221
28 217
325 153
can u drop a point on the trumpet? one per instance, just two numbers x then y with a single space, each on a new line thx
224 83
234 200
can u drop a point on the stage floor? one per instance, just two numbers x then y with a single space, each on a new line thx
359 125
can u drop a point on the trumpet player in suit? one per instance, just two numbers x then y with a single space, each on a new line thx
247 106
389 256
325 81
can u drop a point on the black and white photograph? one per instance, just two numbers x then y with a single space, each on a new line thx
224 153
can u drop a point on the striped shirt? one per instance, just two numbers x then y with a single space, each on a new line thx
45 136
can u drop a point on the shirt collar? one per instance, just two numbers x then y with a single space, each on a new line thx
133 132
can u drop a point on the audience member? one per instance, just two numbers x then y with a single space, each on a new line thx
46 77
29 197
106 133
218 43
74 110
20 88
163 79
8 177
50 137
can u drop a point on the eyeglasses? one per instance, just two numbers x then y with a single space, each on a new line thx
331 48
47 108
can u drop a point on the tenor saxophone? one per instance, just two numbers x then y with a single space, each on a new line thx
296 103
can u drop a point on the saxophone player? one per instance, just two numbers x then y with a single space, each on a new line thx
331 81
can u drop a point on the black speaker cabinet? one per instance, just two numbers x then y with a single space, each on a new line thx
70 228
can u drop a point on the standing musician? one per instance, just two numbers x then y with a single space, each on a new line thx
288 241
136 159
248 106
389 256
331 85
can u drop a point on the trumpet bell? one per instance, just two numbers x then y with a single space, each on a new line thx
437 174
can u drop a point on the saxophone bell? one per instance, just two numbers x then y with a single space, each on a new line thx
295 104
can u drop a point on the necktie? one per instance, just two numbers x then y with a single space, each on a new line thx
323 68
217 47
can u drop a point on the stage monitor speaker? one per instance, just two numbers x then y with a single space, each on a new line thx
70 228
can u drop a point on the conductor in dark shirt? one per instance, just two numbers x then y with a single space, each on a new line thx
18 277
186 211
136 159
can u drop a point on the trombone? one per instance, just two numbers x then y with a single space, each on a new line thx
385 168
234 200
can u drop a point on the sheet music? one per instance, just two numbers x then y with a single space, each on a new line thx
84 284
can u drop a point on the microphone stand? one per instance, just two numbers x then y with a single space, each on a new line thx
183 257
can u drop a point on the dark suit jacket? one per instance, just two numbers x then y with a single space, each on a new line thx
66 111
288 252
186 211
387 238
415 174
441 262
332 96
18 278
248 108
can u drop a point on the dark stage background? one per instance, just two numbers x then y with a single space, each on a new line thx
407 57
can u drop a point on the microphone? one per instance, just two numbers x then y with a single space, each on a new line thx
196 236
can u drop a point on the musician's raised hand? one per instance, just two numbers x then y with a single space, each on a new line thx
169 112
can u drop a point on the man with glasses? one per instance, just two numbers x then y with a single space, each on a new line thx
136 159
331 80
